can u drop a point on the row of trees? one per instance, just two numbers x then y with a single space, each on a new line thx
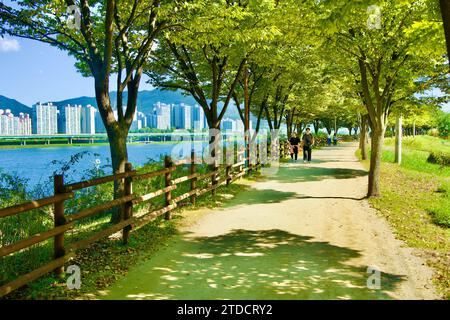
296 62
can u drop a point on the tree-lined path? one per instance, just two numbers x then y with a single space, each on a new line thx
303 233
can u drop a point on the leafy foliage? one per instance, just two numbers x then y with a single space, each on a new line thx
444 125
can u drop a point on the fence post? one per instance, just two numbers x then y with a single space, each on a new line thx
241 159
128 206
214 177
258 162
228 174
193 180
59 220
168 177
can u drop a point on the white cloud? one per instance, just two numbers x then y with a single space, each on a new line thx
9 45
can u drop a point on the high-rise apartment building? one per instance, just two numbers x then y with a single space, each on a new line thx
24 124
197 118
88 119
10 124
181 116
160 118
69 119
6 122
141 117
44 118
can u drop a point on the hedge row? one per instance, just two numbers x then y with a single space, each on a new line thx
439 158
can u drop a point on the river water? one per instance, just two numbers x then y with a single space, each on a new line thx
35 164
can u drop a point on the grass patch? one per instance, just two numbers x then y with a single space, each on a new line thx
422 143
416 160
415 200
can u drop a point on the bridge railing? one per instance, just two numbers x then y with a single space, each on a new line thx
64 222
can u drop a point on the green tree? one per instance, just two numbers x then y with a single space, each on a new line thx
405 46
205 54
444 125
108 36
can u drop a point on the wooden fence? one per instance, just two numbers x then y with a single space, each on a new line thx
64 223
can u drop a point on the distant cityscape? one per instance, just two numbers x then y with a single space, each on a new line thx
49 119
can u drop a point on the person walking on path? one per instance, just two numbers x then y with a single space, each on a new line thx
294 143
308 142
335 139
329 140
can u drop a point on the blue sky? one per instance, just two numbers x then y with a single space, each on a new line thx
32 71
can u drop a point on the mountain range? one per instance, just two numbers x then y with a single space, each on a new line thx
146 100
15 106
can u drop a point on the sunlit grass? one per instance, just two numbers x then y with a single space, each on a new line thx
415 199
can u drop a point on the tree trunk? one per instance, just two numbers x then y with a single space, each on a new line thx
398 140
375 161
289 126
300 128
363 138
246 115
258 125
316 125
119 157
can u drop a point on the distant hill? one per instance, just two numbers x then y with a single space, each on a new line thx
15 106
79 100
146 100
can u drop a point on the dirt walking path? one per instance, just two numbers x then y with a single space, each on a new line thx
302 233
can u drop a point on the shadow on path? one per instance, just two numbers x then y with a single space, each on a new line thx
270 196
244 264
294 174
260 196
331 197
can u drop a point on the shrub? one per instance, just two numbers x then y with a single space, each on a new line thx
433 132
348 138
320 139
444 125
441 158
389 134
441 217
439 211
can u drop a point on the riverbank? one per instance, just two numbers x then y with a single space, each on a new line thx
95 144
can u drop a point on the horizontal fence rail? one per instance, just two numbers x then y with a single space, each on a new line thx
65 222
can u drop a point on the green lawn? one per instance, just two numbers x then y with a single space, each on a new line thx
422 143
416 202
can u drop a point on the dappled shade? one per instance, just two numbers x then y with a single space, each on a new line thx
244 264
